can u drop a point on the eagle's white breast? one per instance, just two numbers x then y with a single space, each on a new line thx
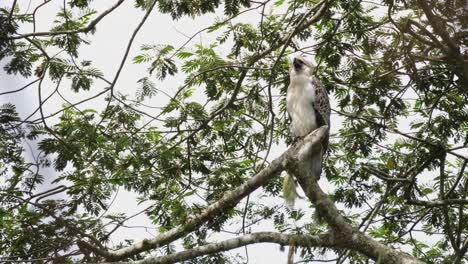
299 100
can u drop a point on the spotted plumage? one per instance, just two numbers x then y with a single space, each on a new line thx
322 107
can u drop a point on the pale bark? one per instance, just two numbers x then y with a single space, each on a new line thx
325 240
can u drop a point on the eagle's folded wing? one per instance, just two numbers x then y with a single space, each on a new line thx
322 108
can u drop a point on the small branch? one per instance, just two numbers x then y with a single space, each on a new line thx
86 29
459 177
11 11
123 60
22 88
439 202
384 176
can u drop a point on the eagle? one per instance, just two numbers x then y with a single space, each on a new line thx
308 106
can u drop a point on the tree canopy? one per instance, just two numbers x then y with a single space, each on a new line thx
395 176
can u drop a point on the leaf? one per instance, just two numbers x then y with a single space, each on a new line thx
218 125
426 191
289 190
217 26
141 58
391 163
154 137
81 82
146 90
278 2
184 54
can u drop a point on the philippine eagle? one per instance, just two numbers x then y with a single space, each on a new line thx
308 106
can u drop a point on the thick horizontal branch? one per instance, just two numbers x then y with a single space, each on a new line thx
86 29
325 240
229 200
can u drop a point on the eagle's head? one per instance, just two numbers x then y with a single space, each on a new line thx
301 65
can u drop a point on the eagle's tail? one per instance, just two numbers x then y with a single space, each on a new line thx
316 163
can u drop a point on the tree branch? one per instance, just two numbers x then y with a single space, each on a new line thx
437 203
384 176
86 29
325 240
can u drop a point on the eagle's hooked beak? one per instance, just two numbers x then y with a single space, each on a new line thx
297 63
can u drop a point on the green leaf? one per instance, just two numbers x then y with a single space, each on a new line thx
391 163
184 54
426 191
279 2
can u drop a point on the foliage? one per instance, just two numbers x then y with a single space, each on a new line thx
397 73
